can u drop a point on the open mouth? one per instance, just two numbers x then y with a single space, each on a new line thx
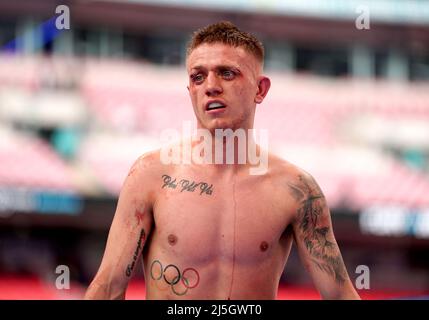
214 106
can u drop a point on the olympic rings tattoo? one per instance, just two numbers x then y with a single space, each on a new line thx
151 270
176 279
184 292
184 279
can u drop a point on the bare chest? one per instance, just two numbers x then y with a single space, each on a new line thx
204 220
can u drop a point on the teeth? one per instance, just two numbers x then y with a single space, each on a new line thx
215 105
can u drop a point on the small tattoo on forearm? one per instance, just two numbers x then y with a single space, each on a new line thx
140 243
187 185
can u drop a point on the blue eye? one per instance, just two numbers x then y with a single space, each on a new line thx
197 77
228 74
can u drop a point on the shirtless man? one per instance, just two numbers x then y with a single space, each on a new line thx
214 231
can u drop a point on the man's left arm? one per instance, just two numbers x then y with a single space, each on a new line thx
315 240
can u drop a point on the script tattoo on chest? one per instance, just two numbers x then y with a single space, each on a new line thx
187 185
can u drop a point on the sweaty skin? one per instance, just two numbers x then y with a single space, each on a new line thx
213 231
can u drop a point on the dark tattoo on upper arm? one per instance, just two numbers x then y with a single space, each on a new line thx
325 254
296 193
140 243
187 185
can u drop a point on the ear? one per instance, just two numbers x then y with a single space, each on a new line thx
187 87
264 84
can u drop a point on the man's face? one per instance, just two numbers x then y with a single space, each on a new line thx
223 86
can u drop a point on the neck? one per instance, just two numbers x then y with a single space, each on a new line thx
226 150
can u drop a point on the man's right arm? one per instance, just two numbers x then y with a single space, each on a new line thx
130 228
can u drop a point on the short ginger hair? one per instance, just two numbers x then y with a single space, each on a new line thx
227 33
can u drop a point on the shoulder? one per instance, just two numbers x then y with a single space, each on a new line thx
285 170
146 170
295 181
145 164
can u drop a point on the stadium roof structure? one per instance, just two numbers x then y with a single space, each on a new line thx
398 12
401 23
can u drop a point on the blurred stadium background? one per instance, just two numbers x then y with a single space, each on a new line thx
78 106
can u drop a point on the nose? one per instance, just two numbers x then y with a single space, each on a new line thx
214 87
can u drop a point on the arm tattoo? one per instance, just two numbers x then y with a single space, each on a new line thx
325 254
186 185
140 243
